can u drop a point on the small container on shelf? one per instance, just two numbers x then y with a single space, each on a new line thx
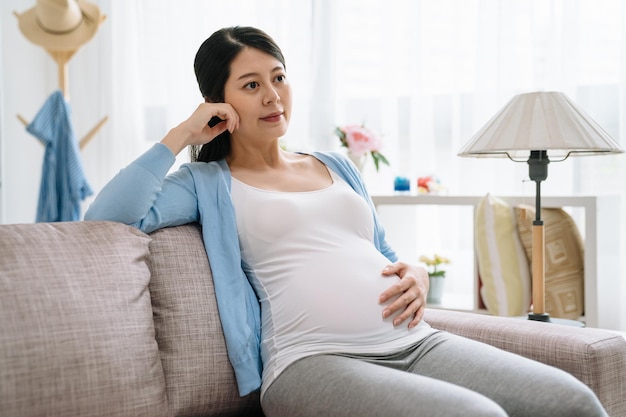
401 185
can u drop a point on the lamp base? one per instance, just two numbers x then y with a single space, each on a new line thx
545 317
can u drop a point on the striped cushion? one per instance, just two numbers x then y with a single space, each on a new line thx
502 263
564 259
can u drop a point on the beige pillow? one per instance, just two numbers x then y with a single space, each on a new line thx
564 259
198 374
76 330
502 264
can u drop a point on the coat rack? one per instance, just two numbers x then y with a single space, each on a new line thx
62 58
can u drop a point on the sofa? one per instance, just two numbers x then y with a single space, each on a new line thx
100 319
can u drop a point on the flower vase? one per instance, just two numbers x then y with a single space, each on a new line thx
435 291
358 160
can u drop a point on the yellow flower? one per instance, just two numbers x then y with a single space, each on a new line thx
434 262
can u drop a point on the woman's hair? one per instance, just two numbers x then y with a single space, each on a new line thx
212 68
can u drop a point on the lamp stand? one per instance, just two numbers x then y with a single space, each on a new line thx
538 171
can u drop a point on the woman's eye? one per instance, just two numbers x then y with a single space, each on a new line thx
252 85
281 78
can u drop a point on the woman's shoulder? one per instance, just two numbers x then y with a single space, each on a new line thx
205 175
331 154
333 159
212 167
337 161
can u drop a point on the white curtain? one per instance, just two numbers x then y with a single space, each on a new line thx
426 74
153 44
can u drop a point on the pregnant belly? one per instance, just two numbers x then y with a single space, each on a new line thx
333 299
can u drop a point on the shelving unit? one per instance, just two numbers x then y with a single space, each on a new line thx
601 217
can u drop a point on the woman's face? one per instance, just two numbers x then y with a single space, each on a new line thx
259 92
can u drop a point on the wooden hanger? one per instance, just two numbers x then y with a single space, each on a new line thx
62 58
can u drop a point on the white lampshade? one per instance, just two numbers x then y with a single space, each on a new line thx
540 121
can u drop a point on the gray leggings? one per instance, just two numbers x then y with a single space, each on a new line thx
445 375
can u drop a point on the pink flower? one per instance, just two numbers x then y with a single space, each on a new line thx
360 140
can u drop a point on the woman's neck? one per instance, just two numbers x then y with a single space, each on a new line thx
256 156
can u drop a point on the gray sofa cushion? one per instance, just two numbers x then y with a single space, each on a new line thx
198 375
79 338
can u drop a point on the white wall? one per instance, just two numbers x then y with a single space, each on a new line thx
29 75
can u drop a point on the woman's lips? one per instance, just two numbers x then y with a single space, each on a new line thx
274 117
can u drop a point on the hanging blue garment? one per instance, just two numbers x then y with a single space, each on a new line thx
63 182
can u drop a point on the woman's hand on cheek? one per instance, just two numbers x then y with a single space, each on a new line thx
196 130
410 293
202 131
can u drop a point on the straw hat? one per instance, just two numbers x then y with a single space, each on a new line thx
60 25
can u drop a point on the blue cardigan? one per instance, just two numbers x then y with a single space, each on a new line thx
144 196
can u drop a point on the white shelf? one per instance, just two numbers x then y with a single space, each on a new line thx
455 301
601 217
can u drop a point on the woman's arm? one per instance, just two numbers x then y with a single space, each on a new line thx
141 195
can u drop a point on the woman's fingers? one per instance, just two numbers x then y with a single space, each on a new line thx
410 293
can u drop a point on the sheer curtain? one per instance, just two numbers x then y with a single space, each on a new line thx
426 74
429 74
153 44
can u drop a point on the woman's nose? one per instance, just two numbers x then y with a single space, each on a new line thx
271 96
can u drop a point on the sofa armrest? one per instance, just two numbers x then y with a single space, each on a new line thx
596 357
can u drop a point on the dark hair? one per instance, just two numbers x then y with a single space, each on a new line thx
212 68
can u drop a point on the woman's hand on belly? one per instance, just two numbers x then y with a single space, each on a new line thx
409 293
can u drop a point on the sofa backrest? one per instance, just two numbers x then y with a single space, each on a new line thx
198 375
98 318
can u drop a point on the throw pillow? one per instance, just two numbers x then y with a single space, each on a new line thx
502 264
564 259
77 337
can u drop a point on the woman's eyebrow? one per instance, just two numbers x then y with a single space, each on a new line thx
252 74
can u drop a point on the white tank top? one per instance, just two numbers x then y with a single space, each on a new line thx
317 273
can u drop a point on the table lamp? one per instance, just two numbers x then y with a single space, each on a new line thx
537 128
